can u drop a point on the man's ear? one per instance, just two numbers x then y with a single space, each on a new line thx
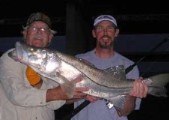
50 37
117 32
24 33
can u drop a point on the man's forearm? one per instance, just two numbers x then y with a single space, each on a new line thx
55 94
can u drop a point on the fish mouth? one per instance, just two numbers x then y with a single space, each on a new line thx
13 55
19 53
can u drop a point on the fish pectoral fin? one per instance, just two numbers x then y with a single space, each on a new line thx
64 79
69 88
117 101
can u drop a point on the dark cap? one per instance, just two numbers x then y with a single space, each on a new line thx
39 17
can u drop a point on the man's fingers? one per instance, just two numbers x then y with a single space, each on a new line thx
145 89
139 89
91 98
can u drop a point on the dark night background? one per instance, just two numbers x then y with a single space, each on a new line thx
142 26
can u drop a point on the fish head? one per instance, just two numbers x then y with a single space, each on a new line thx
40 59
19 53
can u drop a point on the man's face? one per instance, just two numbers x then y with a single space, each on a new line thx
38 34
105 33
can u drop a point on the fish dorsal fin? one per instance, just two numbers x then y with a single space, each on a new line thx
118 71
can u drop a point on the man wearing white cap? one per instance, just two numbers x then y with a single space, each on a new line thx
103 56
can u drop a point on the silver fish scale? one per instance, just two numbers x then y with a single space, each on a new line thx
98 76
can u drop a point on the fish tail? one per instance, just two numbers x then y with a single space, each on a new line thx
158 84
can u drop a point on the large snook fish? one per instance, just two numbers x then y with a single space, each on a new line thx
110 84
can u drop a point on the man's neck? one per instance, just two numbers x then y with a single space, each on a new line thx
104 53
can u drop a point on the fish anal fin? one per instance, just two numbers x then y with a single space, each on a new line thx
118 102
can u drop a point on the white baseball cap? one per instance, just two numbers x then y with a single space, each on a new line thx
105 17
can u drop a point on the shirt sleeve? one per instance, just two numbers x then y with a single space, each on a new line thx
54 105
